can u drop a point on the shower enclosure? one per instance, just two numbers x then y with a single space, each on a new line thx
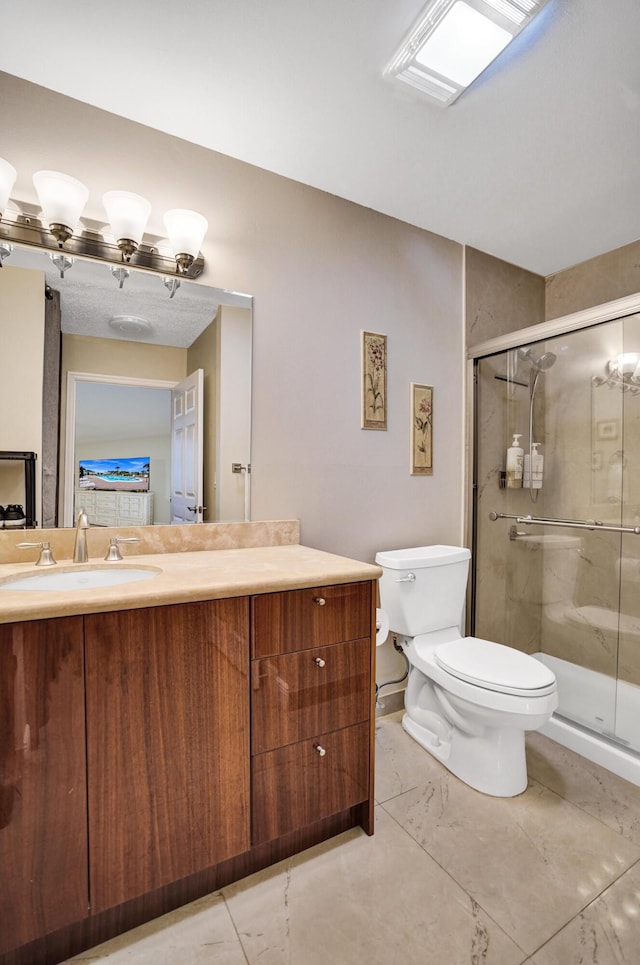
557 562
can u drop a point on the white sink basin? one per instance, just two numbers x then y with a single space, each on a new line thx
81 578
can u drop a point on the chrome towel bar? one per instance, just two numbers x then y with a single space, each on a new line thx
592 524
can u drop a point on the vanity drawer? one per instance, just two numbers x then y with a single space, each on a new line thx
297 695
300 619
295 786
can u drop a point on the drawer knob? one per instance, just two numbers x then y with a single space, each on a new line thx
320 749
320 600
320 662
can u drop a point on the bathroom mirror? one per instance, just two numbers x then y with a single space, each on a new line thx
138 334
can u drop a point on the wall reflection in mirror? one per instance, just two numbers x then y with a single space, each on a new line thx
114 368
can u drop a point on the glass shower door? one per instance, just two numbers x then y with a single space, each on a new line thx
567 594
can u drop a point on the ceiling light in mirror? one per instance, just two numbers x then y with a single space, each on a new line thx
131 326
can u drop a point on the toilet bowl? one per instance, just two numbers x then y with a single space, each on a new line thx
468 701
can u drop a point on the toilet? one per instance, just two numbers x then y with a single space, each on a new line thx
468 701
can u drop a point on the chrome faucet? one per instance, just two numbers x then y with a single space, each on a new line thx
80 552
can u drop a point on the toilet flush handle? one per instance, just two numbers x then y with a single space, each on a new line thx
409 578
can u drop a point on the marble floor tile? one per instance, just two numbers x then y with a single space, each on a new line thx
606 796
450 877
401 764
358 900
607 932
532 862
197 934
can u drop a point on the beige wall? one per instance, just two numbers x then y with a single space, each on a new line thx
21 366
320 270
233 444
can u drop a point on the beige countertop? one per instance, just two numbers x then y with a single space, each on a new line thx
185 577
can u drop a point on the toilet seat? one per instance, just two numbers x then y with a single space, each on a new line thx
495 667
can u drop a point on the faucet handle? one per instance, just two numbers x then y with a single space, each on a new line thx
114 550
46 555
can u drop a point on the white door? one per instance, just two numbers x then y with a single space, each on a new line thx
187 476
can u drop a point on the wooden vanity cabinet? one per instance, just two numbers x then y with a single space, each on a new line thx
43 819
311 713
151 756
167 744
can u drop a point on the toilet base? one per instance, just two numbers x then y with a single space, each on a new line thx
493 764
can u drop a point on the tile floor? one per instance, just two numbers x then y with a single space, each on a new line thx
451 877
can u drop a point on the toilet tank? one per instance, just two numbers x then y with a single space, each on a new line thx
434 600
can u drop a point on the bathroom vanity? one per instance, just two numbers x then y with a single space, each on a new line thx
162 739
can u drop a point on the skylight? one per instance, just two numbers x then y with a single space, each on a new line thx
453 41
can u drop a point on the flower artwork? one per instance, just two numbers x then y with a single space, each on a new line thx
374 381
421 430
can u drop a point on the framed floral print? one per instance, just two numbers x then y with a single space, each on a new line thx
374 381
421 429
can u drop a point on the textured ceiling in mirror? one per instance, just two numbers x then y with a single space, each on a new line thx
90 296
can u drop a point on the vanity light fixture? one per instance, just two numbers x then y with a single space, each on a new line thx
622 372
120 273
453 41
128 215
61 261
172 284
626 363
186 230
62 200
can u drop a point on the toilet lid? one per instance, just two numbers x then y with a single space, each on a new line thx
495 667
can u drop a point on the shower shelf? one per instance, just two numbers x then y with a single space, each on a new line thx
591 524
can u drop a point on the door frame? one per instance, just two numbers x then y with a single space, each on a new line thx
73 378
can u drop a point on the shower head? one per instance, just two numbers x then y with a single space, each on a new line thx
544 362
540 363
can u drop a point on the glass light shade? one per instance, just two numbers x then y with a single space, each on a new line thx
186 231
627 362
61 197
127 213
8 175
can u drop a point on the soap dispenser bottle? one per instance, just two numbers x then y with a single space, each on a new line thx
514 463
537 466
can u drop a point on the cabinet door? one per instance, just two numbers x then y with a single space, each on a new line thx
168 744
297 695
43 819
295 619
302 783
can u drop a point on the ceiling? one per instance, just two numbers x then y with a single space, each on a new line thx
537 163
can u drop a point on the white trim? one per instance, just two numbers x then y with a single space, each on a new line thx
595 747
466 507
73 378
628 305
